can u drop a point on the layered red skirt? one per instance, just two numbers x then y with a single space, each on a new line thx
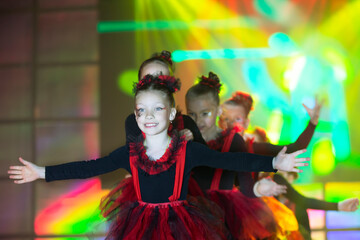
246 218
132 219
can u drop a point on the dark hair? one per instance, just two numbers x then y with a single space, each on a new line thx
207 85
163 83
163 58
243 99
261 133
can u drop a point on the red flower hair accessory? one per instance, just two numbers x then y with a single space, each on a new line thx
212 81
171 83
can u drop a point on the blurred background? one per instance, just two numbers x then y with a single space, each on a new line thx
67 69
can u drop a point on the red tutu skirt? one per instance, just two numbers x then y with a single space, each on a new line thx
286 222
246 218
132 219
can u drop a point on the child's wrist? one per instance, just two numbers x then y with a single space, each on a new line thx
41 172
256 190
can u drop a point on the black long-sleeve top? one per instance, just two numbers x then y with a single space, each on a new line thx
204 175
301 143
158 187
133 131
303 203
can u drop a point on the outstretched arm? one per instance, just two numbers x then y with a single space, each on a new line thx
300 200
72 170
27 172
200 155
302 141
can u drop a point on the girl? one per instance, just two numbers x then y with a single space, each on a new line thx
245 217
160 164
299 203
235 112
161 64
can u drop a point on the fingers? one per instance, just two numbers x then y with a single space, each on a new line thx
298 152
23 161
306 107
301 165
20 181
301 160
296 170
283 150
16 167
16 176
14 172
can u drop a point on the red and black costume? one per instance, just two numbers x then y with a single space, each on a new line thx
299 204
245 217
160 210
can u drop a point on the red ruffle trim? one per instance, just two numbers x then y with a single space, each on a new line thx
218 143
138 151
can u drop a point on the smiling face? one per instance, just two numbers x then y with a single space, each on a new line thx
153 112
204 110
233 115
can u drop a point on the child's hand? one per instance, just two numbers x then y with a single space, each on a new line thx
187 133
315 112
27 173
349 205
267 187
289 162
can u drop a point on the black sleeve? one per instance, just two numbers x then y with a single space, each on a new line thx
200 155
86 169
301 143
131 128
300 200
245 180
191 125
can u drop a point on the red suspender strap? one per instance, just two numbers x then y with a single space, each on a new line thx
250 149
250 145
179 122
218 172
179 175
134 172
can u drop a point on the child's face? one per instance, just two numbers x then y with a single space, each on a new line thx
203 110
154 68
153 112
233 115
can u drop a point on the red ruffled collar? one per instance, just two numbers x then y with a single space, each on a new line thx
218 143
141 160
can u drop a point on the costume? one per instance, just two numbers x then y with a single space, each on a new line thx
287 225
299 204
160 210
272 150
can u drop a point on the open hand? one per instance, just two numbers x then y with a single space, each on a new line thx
349 205
314 113
288 162
269 188
26 173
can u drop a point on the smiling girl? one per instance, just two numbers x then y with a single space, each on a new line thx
160 163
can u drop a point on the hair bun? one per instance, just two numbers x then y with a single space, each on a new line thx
212 81
167 56
243 98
